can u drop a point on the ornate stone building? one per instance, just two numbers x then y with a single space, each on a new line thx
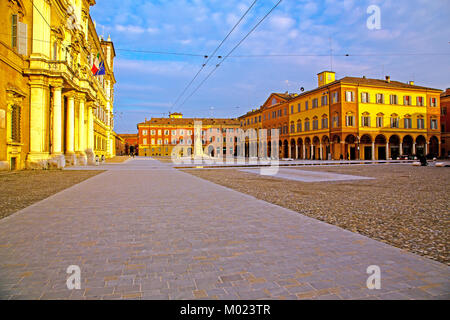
53 110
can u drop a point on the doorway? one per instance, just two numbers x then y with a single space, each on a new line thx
381 153
368 153
352 153
13 163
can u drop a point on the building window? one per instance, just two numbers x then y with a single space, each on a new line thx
420 123
153 141
166 132
153 132
419 101
444 111
306 105
299 126
407 123
292 109
14 30
324 100
335 121
315 103
174 132
315 124
144 132
259 119
393 99
433 102
379 122
144 141
380 98
324 123
15 123
174 141
55 51
350 120
307 125
365 97
349 96
159 132
365 121
292 127
434 124
166 141
298 107
335 97
407 100
394 122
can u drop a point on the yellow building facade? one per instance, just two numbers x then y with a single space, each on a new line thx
53 111
360 118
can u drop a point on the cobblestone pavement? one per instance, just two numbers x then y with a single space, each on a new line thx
143 230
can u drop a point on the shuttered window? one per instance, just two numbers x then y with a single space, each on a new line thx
15 124
14 31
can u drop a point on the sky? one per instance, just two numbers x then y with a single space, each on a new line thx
412 43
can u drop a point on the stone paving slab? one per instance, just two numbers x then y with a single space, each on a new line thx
309 176
164 234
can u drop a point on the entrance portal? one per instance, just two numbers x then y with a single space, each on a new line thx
368 153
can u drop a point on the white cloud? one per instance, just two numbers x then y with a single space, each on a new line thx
282 22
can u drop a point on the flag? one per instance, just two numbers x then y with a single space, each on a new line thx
96 64
101 69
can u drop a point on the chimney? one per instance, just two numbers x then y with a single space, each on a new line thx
364 77
411 83
388 79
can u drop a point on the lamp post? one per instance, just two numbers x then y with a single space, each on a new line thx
359 154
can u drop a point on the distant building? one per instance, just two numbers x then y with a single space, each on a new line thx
119 145
445 123
131 143
159 136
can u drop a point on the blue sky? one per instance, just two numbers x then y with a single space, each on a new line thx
148 84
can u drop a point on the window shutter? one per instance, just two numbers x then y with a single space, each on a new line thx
22 38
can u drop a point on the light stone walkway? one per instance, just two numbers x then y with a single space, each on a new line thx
309 176
145 230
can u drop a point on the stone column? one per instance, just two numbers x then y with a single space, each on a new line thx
387 151
38 156
373 150
58 160
296 151
70 152
312 152
331 150
90 156
343 151
414 148
289 150
321 151
81 152
304 151
401 148
426 148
